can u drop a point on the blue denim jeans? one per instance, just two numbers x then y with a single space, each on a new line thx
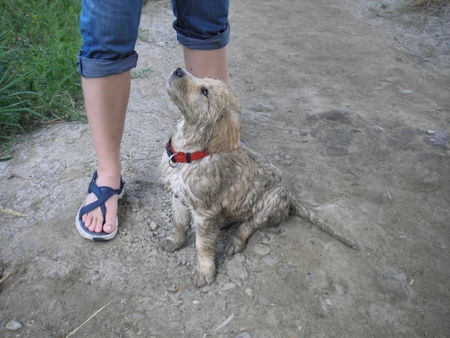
109 29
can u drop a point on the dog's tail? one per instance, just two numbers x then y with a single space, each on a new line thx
296 209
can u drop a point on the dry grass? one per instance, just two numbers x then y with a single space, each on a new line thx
430 3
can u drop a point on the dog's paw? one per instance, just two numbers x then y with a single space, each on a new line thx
234 245
169 245
201 278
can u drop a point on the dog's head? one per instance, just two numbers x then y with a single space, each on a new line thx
209 106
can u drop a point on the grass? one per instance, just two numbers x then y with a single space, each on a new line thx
140 73
430 3
39 42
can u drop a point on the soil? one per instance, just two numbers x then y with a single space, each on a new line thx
349 99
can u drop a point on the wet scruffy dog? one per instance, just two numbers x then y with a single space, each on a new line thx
214 180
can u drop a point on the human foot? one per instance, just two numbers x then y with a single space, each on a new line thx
99 212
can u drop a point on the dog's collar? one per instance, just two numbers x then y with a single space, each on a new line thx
181 157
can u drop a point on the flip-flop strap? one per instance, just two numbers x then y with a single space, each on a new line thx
102 193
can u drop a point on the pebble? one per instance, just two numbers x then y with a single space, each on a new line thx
261 249
228 286
260 107
13 325
244 335
441 245
396 283
207 288
153 226
271 259
249 292
438 138
406 91
378 128
337 115
387 195
235 269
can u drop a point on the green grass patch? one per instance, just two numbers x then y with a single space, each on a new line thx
39 43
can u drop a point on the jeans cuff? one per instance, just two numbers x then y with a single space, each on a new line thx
101 68
215 42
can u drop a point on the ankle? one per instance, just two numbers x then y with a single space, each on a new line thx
108 177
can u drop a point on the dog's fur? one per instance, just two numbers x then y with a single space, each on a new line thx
231 185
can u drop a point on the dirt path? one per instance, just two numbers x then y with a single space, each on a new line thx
352 106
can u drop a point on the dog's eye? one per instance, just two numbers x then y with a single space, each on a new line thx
204 91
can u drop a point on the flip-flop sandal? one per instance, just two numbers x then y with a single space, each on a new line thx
103 194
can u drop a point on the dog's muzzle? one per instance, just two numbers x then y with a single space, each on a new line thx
179 73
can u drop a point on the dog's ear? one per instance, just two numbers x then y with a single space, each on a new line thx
226 135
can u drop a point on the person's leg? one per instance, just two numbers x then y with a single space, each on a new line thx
207 63
109 29
203 30
106 100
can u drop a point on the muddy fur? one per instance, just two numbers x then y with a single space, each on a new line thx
231 185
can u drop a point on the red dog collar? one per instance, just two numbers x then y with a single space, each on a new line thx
180 157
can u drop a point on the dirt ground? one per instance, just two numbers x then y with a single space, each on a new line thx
349 99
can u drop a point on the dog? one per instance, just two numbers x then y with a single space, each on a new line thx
214 180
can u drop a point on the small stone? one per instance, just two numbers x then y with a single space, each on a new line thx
430 132
430 179
387 195
13 325
249 292
236 269
228 286
207 288
153 226
378 128
261 249
441 245
271 259
395 283
195 302
337 115
244 335
260 107
406 91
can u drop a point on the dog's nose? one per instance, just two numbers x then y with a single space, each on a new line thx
179 72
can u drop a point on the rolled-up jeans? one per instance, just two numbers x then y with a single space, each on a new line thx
109 30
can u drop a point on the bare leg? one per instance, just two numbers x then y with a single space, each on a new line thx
207 232
182 220
207 63
106 101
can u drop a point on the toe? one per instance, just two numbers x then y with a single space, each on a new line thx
93 224
108 227
87 221
98 225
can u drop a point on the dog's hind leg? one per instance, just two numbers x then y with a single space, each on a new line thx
272 209
182 219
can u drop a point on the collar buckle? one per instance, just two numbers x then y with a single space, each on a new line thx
172 163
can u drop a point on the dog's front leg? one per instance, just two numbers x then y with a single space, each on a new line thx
207 232
182 219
